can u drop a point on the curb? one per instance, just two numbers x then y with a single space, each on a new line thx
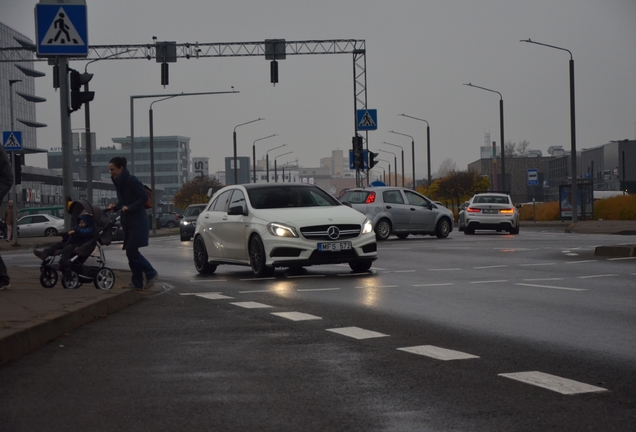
39 335
623 251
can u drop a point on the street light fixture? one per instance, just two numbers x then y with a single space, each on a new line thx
235 157
395 164
395 145
286 164
275 168
254 154
428 146
572 129
413 156
267 158
501 133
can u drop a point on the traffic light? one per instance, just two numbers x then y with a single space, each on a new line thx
273 71
372 161
79 97
358 152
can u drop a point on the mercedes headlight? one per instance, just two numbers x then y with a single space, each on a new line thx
281 230
367 227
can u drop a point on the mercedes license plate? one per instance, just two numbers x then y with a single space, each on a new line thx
334 247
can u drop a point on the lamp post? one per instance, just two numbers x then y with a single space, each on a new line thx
290 166
395 145
572 129
235 157
428 146
267 158
13 187
389 163
132 116
413 156
395 165
501 133
254 154
275 168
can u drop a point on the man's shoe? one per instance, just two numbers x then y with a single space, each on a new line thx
4 287
39 254
151 282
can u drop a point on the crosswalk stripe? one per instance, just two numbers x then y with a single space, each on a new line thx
552 382
296 316
251 305
356 332
438 353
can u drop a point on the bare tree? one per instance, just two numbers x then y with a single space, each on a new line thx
445 167
512 149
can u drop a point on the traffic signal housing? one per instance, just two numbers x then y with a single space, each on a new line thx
358 152
79 97
372 159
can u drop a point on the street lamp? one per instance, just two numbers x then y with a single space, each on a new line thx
395 145
267 158
290 166
413 156
275 168
428 145
13 187
254 154
235 157
395 165
389 163
572 129
501 133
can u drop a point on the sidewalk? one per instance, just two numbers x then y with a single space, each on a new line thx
31 316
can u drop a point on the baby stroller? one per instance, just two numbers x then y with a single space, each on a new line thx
88 262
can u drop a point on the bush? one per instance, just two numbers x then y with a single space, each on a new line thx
545 212
616 208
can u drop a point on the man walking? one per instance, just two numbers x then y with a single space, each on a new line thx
6 181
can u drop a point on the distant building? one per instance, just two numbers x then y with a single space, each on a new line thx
611 167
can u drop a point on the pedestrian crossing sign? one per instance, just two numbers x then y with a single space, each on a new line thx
367 119
61 29
12 140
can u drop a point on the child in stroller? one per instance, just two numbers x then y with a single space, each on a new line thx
93 231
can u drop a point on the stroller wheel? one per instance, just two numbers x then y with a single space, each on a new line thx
48 277
104 279
70 280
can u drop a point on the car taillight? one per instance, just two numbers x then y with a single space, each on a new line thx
473 210
370 198
506 211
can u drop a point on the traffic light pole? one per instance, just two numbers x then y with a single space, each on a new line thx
67 146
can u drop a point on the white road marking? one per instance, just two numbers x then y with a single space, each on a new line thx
399 271
596 276
572 254
433 284
210 296
357 332
536 264
621 258
258 279
580 262
551 287
446 269
251 305
207 280
305 276
296 316
551 382
490 281
378 286
542 279
353 274
318 289
438 353
492 266
258 291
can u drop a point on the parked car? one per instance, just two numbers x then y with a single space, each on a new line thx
168 219
189 221
39 225
400 211
489 211
267 226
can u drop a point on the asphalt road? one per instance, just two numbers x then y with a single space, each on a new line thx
326 349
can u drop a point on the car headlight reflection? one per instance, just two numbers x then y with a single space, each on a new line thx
367 227
281 230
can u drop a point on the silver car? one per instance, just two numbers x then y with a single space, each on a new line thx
400 211
39 225
489 211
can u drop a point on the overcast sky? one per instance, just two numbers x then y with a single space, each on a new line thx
419 55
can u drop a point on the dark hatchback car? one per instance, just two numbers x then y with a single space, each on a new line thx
168 219
189 221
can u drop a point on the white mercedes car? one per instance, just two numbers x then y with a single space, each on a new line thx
281 225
